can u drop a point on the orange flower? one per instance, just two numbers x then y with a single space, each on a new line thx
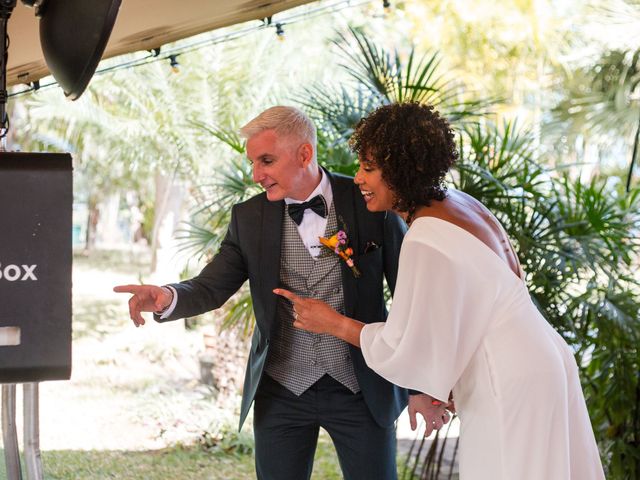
338 245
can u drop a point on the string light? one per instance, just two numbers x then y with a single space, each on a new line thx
175 65
280 31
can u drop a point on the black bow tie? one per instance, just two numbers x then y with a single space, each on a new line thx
317 204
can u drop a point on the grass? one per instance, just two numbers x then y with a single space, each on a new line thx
183 462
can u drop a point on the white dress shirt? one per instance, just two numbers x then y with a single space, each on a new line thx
313 225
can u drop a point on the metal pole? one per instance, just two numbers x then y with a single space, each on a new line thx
6 7
9 433
32 457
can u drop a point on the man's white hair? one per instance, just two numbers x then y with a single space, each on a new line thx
285 121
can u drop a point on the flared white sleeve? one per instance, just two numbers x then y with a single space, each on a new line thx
441 310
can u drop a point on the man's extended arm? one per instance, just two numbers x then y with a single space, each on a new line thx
210 289
217 281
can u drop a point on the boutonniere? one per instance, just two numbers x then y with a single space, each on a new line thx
338 245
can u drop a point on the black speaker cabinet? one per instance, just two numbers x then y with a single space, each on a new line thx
36 199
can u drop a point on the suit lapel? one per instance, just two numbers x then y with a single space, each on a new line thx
343 201
271 235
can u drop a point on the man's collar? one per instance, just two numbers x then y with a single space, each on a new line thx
323 188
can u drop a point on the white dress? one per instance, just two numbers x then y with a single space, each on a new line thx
462 321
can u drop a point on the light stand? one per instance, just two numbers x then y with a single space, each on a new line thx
6 7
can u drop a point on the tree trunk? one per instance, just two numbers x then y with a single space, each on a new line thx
167 215
92 224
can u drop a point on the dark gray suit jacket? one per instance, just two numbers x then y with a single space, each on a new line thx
251 251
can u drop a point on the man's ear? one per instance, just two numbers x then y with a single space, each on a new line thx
305 154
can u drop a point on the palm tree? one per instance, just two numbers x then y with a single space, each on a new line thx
379 77
601 101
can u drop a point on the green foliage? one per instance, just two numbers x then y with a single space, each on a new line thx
602 99
183 462
600 103
427 459
228 440
204 233
379 77
336 111
389 78
239 314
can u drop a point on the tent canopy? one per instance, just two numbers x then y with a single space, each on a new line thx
141 25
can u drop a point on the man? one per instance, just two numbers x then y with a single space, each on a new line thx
300 381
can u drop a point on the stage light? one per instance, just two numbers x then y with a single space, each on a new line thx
73 35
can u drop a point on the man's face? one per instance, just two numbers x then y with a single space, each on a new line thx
277 165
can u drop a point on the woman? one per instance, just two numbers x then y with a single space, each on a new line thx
462 320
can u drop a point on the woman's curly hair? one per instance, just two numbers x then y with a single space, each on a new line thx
413 146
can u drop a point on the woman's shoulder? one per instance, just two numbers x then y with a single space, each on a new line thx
462 211
467 217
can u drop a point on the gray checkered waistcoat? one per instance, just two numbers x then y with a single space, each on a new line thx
297 359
